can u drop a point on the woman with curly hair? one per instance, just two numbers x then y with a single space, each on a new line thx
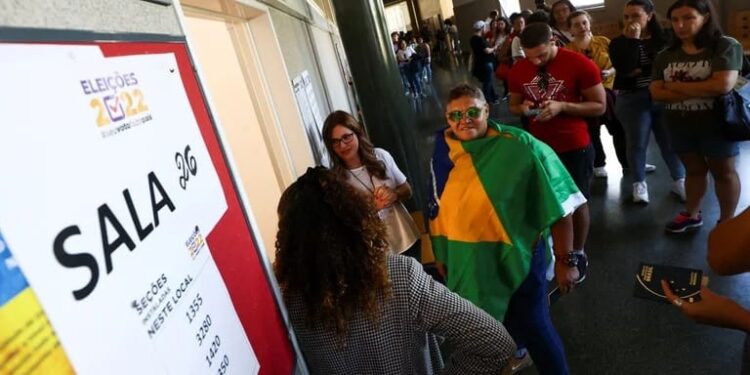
373 172
356 309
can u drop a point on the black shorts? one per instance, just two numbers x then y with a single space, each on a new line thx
580 165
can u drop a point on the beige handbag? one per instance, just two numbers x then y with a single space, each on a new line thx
401 230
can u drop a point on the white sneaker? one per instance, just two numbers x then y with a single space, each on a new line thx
650 168
640 192
518 364
600 172
678 188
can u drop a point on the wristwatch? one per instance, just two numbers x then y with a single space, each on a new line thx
570 259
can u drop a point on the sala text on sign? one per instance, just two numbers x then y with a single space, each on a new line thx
107 219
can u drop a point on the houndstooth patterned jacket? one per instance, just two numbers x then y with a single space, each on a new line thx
404 341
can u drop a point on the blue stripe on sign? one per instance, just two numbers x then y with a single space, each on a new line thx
12 280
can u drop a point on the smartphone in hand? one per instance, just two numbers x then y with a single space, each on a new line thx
533 112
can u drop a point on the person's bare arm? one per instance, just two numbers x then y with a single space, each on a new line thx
659 93
719 84
517 105
562 241
594 104
403 191
713 309
729 245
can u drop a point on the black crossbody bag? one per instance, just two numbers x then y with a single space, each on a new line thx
733 108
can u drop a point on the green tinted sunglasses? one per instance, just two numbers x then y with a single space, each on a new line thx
471 112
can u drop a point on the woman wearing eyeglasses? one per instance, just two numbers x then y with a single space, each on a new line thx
596 48
374 173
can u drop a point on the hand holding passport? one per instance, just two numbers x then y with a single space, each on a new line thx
684 282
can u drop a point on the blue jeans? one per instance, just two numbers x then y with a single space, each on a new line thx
427 70
640 116
412 71
484 73
528 320
404 78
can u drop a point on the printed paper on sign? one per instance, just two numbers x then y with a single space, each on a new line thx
29 345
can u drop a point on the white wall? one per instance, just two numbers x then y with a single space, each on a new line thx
279 86
446 8
90 15
331 71
233 106
469 13
429 8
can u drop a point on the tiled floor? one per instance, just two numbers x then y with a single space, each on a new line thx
604 328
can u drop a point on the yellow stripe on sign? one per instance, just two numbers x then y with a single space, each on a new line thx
466 213
28 345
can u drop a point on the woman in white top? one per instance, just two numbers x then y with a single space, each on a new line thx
519 23
374 173
404 56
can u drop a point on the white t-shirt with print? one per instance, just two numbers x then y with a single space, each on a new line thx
402 232
361 179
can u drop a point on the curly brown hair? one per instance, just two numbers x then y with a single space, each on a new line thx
330 251
366 150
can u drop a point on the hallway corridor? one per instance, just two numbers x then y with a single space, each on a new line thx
604 328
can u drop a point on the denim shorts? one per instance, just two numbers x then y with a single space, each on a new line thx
705 138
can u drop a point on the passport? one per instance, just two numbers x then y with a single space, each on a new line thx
685 282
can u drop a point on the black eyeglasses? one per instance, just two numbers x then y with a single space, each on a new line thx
543 81
471 112
345 139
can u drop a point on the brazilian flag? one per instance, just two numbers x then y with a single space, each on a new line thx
493 199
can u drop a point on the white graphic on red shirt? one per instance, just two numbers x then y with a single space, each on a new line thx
545 87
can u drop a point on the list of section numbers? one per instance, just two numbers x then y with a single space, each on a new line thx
202 336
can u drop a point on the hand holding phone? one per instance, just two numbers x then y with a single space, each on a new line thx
532 112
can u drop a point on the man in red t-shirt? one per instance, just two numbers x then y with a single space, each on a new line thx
557 89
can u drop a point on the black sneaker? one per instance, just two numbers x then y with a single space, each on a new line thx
583 265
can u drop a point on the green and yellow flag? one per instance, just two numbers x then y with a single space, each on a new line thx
493 199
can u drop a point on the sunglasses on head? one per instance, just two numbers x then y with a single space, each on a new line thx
471 112
345 139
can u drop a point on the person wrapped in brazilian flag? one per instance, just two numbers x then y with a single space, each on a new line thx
498 195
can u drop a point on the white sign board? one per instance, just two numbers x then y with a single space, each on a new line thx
107 196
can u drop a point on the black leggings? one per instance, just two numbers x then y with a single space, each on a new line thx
614 127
